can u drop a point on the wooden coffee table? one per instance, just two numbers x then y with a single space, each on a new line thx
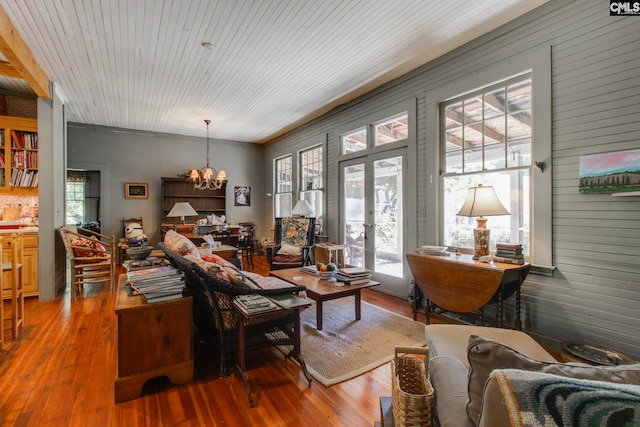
321 290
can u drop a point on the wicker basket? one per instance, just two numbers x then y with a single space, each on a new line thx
412 396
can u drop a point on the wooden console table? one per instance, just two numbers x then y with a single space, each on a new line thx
153 340
461 284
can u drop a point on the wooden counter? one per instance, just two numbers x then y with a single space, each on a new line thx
461 284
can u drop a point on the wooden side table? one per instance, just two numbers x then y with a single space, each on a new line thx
153 340
460 284
246 321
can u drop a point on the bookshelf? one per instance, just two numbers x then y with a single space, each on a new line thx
205 202
18 156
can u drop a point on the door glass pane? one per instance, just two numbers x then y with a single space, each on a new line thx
388 216
354 214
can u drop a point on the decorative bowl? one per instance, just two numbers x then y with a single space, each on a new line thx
139 253
326 274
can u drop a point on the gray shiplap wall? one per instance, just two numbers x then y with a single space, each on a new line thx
594 295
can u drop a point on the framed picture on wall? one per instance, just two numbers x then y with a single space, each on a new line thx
136 190
242 196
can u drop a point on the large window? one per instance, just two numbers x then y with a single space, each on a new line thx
312 182
486 138
284 186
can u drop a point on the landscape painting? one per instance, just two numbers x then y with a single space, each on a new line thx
614 172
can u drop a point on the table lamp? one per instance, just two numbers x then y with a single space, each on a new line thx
303 209
482 201
181 209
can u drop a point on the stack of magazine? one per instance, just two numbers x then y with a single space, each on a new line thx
156 284
353 275
252 304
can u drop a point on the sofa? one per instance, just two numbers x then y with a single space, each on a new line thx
213 283
484 376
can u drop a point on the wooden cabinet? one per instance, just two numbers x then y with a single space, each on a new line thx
205 202
18 155
153 340
30 264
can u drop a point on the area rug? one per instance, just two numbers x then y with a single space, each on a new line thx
345 347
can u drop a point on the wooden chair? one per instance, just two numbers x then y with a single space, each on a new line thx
294 232
15 286
92 257
246 245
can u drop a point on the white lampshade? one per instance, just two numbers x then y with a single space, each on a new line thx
482 201
302 208
182 209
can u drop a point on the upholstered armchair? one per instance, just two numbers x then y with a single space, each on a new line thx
294 239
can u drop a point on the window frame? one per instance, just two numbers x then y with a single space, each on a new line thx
304 192
277 185
538 63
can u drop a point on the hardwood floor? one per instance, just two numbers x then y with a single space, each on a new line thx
61 371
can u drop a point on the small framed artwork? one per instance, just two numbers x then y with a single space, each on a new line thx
136 190
612 172
242 196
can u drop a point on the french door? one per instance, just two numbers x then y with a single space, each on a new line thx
372 220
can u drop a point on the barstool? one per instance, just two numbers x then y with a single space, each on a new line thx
14 266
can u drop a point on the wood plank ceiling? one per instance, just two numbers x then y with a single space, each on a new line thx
255 68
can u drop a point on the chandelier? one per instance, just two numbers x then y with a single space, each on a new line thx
207 178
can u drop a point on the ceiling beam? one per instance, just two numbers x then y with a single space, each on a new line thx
9 70
16 51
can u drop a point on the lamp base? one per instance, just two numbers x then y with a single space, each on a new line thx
480 242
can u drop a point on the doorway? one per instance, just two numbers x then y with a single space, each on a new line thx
372 220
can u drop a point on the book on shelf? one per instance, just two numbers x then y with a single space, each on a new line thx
433 250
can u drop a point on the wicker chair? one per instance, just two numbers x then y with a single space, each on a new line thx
214 315
295 232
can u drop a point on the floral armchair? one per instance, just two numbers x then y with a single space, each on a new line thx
294 239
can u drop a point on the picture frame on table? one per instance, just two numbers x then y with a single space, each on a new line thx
136 190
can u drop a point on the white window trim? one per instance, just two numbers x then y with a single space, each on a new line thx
276 181
539 62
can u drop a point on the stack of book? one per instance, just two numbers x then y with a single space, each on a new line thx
510 253
433 250
252 304
157 283
353 275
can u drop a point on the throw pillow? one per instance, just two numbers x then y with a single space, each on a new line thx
218 260
537 399
286 249
88 248
448 377
210 267
485 356
180 244
239 278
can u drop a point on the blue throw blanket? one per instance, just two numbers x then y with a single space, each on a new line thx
539 399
